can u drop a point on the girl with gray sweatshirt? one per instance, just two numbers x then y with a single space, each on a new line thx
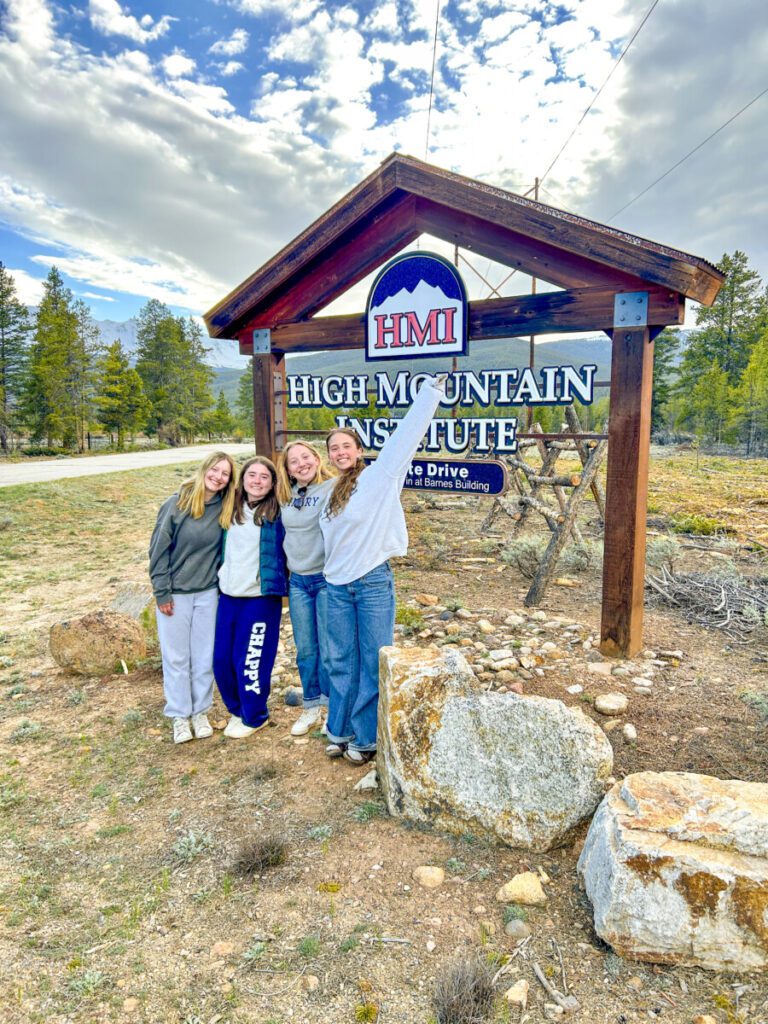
184 559
303 487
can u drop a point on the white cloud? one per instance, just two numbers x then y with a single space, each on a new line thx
96 297
29 290
232 67
232 46
178 64
109 17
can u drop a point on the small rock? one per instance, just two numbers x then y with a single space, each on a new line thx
599 668
671 655
525 889
479 910
294 697
704 1018
452 628
428 876
611 703
221 950
517 995
425 599
539 617
485 626
514 620
369 781
630 732
517 930
701 730
463 613
130 1005
574 689
635 983
430 946
310 983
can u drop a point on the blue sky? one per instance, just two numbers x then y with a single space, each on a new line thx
166 149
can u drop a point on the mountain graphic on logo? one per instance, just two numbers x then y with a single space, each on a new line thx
422 298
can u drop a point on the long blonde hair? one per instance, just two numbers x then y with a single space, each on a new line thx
284 479
192 491
347 481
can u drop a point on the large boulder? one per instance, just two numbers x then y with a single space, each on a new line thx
138 601
675 867
96 644
519 769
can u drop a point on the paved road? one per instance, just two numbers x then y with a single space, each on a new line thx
57 469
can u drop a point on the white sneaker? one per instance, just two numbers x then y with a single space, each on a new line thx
305 721
201 727
236 729
181 730
324 729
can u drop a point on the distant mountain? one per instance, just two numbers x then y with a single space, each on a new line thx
225 354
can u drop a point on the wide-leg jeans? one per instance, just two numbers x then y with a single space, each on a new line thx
361 620
308 603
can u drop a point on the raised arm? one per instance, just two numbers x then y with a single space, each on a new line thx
402 444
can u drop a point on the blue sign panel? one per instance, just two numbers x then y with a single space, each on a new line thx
455 475
417 307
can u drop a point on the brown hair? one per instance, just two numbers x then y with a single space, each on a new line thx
347 481
268 507
192 491
284 478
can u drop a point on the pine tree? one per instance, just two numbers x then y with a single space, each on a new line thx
710 405
244 399
58 386
666 347
752 408
730 327
171 363
221 422
120 401
14 354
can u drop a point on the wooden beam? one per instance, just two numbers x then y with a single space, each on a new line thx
580 309
269 402
291 259
615 250
500 242
629 432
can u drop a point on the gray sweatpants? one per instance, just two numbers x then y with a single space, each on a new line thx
186 644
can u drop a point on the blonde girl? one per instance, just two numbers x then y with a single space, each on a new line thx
184 559
303 484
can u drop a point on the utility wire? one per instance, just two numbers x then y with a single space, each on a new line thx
597 94
690 153
432 81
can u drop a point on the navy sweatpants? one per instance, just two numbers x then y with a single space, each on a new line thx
244 651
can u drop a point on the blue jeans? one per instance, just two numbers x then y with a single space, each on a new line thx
361 620
307 600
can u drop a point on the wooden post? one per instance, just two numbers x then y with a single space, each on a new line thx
629 434
269 405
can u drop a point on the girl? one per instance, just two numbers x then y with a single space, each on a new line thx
363 526
303 486
184 558
253 582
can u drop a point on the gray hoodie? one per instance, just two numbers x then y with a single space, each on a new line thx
185 553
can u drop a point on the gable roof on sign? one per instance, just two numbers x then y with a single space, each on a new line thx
405 198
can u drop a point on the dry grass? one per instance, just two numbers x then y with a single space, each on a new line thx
464 992
256 856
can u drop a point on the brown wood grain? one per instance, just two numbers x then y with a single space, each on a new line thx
629 432
579 309
269 404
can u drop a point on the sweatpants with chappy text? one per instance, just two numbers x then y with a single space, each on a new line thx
186 644
244 652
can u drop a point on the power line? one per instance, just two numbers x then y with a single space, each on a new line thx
432 81
597 94
690 153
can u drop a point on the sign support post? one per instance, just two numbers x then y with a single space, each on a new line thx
629 435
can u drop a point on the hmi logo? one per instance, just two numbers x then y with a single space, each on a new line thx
417 306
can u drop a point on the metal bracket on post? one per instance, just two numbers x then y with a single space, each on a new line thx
262 342
630 309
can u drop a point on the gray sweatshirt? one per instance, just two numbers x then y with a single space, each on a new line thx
185 553
303 544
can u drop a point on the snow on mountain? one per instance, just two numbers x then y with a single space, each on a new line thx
423 297
222 354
